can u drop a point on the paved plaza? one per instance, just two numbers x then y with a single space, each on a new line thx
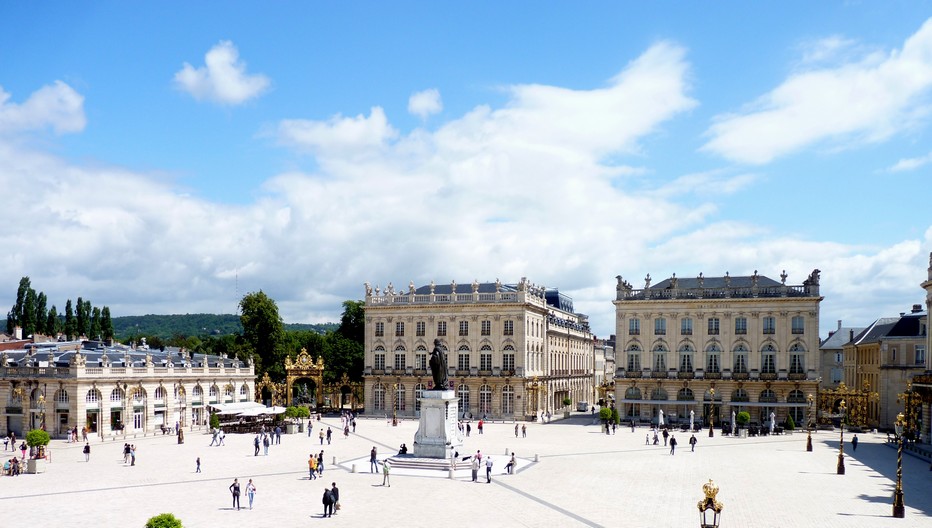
571 474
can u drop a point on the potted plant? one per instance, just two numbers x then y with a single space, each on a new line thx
294 415
567 402
38 439
742 419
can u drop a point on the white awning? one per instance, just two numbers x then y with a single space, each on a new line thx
235 408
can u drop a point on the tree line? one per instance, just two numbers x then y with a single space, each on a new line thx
32 314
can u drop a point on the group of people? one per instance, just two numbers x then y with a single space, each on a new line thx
668 439
129 453
315 465
235 490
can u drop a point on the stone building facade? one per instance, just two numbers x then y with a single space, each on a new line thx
513 350
114 391
717 345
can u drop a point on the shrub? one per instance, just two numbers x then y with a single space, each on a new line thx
37 437
605 414
297 412
214 421
616 418
743 418
790 424
567 401
164 520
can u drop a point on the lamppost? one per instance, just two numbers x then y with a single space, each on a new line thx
809 425
711 411
394 404
899 509
710 509
841 442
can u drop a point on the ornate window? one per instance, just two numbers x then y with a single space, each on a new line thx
798 324
686 326
713 361
197 393
509 328
634 357
379 329
61 396
378 397
634 326
660 326
508 358
160 393
418 392
770 325
686 358
741 325
463 394
486 328
797 359
740 354
464 328
244 390
508 400
420 329
379 363
441 328
462 360
485 400
485 358
658 394
400 392
399 329
633 393
400 358
685 395
713 325
420 358
768 359
93 396
117 395
660 358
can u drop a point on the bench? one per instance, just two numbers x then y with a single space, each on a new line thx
167 430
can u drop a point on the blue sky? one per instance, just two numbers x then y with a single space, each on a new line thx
169 158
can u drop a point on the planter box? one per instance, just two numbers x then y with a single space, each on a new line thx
742 433
291 428
35 465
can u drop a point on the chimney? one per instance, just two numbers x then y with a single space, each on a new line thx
839 324
916 308
851 335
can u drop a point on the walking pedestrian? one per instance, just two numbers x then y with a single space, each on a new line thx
265 444
198 462
354 425
488 470
373 461
320 464
346 431
329 434
468 428
322 434
474 465
223 436
234 489
250 492
87 452
328 502
854 443
692 443
132 454
672 445
386 469
278 434
666 434
480 426
523 430
516 430
255 443
312 467
336 497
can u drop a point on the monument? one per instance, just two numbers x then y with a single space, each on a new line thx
437 431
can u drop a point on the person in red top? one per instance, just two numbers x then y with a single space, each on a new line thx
480 426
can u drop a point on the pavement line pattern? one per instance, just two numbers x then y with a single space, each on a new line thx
546 504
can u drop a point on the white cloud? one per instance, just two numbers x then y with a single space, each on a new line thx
339 136
223 78
425 103
56 106
908 164
856 101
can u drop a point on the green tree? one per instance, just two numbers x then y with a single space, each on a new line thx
28 321
71 325
263 332
353 321
52 324
15 317
81 318
95 330
106 323
164 520
42 314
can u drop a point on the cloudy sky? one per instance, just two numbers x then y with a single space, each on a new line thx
164 158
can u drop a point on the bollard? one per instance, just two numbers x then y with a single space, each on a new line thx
506 451
354 469
334 461
536 457
452 474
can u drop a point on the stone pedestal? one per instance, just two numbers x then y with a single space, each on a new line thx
437 431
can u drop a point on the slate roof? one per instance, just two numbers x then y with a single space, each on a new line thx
841 336
737 281
119 356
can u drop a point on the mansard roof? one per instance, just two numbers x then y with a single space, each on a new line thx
736 281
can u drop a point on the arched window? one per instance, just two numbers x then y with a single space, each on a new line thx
768 396
740 354
93 396
418 392
401 357
378 397
485 400
508 400
740 395
797 359
485 358
160 393
61 396
379 358
462 359
768 359
508 359
197 393
713 358
660 358
400 393
138 395
658 394
633 393
228 393
117 395
463 394
244 392
634 357
212 394
685 395
686 358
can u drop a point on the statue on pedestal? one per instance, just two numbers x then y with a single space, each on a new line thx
438 366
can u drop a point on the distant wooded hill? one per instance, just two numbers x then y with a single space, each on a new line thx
190 325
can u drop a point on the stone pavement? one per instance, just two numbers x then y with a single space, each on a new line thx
582 477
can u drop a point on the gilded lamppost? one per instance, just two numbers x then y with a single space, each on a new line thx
710 509
711 411
809 424
899 508
841 443
394 403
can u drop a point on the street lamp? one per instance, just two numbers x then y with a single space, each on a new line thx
841 443
711 411
710 510
899 509
394 403
809 425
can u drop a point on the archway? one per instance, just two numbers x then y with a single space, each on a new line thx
304 367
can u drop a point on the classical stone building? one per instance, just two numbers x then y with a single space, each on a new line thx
513 350
832 351
922 383
717 345
114 390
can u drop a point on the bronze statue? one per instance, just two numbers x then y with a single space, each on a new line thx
438 366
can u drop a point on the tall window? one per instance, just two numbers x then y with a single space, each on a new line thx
464 328
400 358
798 324
770 325
399 329
509 328
379 358
93 396
485 358
741 359
920 354
797 359
508 358
768 363
660 326
686 358
660 358
634 326
116 395
420 328
508 400
713 325
441 328
462 362
418 392
486 328
420 358
485 400
463 394
399 402
634 357
686 326
379 329
378 397
713 361
741 325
